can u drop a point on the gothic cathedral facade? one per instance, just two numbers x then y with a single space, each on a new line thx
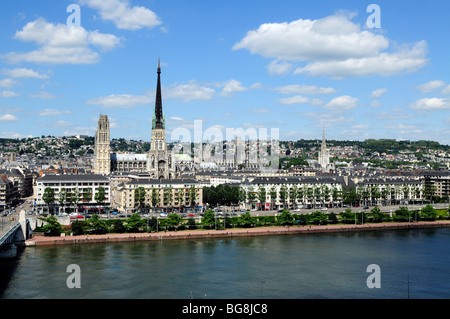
158 163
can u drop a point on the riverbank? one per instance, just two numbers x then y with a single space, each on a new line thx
228 233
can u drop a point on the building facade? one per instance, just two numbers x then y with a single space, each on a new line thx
159 194
73 191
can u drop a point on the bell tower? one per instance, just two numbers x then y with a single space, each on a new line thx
160 162
102 163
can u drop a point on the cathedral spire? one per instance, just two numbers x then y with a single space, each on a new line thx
158 118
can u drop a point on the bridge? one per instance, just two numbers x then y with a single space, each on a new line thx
13 234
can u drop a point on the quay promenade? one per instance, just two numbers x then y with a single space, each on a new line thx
229 233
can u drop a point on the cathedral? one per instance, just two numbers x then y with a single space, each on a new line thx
158 163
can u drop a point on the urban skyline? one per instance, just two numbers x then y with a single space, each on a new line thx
227 68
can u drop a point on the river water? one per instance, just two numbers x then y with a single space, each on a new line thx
412 264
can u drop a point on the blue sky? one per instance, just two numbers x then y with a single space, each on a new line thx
296 66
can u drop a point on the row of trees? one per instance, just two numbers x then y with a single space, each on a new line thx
210 221
169 198
315 194
69 198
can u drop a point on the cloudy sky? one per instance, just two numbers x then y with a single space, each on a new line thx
296 66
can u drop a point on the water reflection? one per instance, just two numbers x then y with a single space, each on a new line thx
303 266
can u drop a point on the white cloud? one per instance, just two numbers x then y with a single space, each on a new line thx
446 90
232 86
61 124
279 67
377 93
14 135
188 91
52 112
430 86
7 83
8 94
385 64
121 100
304 89
8 118
24 73
428 104
399 126
332 46
298 99
326 119
344 102
392 115
375 103
360 126
123 15
61 44
43 95
303 40
260 111
81 130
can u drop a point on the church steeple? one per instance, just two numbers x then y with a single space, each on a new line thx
158 117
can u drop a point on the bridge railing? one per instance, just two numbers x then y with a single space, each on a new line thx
7 236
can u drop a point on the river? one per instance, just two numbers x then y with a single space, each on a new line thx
412 264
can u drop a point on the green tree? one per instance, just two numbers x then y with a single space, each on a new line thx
293 193
347 216
262 194
118 226
318 218
139 197
155 197
48 197
246 220
62 198
335 194
242 195
173 220
428 213
402 214
273 195
100 196
325 193
75 198
77 228
134 222
180 198
52 228
332 218
97 224
87 194
284 194
286 217
378 216
251 195
208 219
192 196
